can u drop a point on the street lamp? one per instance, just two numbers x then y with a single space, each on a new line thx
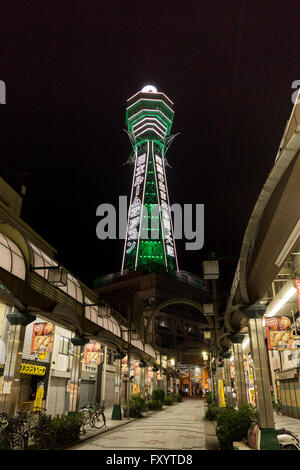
205 356
208 309
211 269
57 276
131 335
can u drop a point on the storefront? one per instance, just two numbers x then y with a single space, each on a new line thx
149 381
249 378
289 392
134 377
34 378
90 386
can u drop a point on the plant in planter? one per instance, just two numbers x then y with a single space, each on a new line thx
158 394
209 398
233 425
278 407
66 427
137 405
169 400
211 412
154 405
177 397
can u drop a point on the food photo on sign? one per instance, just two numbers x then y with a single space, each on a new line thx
42 339
92 354
280 334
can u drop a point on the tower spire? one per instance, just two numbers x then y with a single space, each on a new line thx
149 242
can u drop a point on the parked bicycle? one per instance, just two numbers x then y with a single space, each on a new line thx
35 429
10 439
93 414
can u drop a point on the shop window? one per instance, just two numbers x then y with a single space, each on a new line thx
64 345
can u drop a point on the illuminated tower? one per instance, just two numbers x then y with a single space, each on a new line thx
149 242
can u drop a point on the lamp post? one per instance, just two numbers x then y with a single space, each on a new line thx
129 337
117 413
142 366
211 272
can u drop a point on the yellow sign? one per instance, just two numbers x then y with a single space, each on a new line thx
32 369
39 397
221 393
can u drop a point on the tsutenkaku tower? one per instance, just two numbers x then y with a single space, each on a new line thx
149 242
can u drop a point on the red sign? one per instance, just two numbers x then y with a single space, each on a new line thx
42 339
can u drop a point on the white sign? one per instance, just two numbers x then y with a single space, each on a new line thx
6 388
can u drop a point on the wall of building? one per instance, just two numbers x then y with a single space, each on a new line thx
60 373
10 197
109 386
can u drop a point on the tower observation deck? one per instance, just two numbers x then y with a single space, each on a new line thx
149 242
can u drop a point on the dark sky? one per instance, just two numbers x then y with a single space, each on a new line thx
69 67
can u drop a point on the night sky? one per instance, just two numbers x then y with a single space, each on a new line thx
69 68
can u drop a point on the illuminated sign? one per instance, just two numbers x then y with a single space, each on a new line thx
221 393
298 291
164 205
32 369
135 210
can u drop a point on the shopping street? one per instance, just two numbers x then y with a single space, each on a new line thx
150 276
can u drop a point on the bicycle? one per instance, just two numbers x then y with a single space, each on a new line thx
45 427
9 438
93 415
98 418
35 427
31 432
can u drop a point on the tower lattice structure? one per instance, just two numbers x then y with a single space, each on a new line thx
149 242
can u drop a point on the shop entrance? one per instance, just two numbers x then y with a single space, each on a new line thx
29 385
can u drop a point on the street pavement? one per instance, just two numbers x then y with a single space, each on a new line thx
291 424
180 426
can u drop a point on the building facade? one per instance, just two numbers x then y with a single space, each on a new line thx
57 337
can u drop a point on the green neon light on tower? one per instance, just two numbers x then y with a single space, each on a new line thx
149 242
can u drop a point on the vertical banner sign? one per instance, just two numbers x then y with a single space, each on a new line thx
221 393
298 291
137 198
39 397
164 204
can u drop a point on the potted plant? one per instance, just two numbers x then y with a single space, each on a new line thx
279 407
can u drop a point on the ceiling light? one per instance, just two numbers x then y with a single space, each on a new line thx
282 301
289 244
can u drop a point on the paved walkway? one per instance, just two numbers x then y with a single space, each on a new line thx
110 424
292 424
180 426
